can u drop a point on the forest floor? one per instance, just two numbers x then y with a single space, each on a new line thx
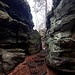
34 65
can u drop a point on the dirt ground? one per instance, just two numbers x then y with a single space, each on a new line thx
33 65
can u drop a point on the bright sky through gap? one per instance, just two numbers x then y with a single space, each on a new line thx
38 18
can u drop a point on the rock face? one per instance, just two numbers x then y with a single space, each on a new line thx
20 10
15 28
61 36
35 42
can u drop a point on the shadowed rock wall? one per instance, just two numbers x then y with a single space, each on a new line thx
16 27
20 10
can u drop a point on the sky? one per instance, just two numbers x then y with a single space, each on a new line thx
39 18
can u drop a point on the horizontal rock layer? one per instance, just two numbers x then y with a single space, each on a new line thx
60 37
20 10
16 34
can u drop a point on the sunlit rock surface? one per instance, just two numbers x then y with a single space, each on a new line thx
15 31
60 37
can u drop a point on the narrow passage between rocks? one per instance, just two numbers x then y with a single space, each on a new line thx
33 65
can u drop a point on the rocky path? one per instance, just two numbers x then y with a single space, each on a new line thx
33 65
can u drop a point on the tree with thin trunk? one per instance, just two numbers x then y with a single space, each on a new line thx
40 7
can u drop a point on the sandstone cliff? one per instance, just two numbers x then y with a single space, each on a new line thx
16 28
60 37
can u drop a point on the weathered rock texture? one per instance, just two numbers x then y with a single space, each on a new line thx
15 28
35 42
20 10
61 36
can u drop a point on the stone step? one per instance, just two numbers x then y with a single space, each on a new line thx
37 61
34 72
31 65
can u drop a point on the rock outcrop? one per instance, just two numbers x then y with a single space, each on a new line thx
20 10
35 42
16 27
60 38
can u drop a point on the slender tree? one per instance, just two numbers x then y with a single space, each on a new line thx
45 12
41 7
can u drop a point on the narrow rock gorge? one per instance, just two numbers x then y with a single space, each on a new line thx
16 34
60 36
21 50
